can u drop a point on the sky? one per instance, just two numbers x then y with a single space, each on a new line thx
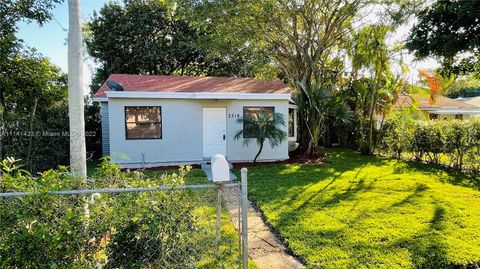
50 40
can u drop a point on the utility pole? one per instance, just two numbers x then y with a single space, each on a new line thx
78 154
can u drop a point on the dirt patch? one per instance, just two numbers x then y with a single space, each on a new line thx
160 168
294 159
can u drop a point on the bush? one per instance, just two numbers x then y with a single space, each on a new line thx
111 230
396 137
453 143
464 92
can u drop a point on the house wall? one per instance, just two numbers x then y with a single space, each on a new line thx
182 131
447 116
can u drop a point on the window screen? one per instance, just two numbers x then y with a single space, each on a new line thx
291 122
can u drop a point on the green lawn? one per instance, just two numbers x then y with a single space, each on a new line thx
367 212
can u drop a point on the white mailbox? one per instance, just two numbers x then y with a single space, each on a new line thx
220 168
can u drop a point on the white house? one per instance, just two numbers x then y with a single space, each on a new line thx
167 120
474 101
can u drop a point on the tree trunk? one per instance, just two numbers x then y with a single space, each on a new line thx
259 151
78 164
2 129
30 140
371 115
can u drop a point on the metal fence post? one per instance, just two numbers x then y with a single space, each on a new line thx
244 172
219 218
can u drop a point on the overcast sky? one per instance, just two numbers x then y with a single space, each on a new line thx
50 40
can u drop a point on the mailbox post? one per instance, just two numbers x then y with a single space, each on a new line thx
244 204
220 174
220 169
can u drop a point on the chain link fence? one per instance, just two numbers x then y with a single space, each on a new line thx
163 227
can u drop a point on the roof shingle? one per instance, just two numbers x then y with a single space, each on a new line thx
406 101
146 83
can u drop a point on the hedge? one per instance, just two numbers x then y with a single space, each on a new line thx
454 143
464 92
169 229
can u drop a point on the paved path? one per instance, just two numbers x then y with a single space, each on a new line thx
264 248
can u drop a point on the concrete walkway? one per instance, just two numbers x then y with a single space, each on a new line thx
264 248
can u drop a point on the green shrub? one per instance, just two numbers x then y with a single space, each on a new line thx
427 140
453 143
464 92
396 136
113 230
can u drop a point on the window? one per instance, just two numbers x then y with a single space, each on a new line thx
291 122
143 122
459 117
434 116
250 111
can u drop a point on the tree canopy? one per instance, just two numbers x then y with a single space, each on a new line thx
14 11
32 92
35 104
449 30
160 38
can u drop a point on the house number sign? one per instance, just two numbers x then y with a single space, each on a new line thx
233 115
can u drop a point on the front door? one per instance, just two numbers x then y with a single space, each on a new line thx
214 131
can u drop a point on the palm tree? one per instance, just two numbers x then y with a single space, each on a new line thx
322 109
262 126
78 163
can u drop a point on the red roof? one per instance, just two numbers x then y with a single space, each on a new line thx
144 83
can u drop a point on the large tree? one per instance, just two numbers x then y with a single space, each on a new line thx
374 87
11 13
449 30
34 124
310 40
160 38
14 11
305 38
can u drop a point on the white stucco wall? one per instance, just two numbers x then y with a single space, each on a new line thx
182 132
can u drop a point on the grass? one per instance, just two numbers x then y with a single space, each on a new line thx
368 212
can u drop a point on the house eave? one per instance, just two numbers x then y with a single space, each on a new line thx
454 111
446 110
100 99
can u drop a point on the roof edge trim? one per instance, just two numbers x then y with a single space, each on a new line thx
196 95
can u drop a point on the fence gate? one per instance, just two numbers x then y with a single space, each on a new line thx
188 226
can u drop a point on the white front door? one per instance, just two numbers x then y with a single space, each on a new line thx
214 131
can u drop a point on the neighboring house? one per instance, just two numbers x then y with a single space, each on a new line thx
474 101
168 120
443 108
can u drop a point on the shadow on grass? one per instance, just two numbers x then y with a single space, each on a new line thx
426 247
417 193
444 174
293 194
